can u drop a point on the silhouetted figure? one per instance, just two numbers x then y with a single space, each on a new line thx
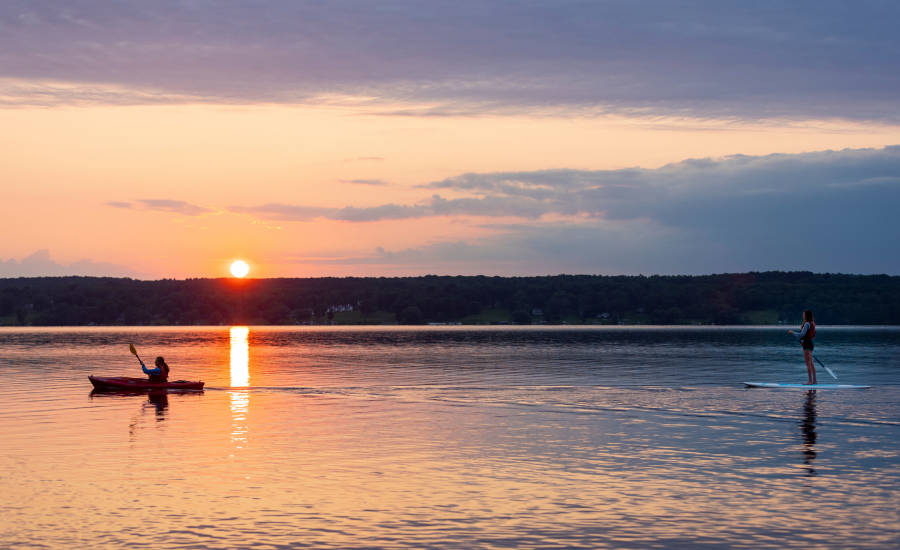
158 374
805 336
808 429
160 401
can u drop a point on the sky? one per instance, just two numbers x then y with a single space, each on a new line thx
168 139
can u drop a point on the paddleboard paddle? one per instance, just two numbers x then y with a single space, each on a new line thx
831 372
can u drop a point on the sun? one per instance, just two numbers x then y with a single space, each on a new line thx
240 268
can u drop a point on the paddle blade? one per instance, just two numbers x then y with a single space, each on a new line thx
133 351
831 372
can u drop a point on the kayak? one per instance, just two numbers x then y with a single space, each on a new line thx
125 383
806 386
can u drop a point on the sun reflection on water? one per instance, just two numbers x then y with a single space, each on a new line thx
240 357
240 378
240 404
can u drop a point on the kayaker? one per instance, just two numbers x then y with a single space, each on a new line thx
160 373
806 335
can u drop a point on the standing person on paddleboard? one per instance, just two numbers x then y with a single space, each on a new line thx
160 373
806 335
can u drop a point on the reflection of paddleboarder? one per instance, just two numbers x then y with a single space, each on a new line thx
806 335
808 428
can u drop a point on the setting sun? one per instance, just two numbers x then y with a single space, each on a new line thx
240 268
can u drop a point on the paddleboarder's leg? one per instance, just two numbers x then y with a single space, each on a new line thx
810 367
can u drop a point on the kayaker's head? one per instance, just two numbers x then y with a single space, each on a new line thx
807 316
160 362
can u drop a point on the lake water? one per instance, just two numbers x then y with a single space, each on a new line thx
449 437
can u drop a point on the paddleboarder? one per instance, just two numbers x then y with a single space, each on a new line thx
160 373
806 335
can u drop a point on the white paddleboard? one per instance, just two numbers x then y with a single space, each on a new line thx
806 386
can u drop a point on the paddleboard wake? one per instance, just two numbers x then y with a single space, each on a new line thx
806 386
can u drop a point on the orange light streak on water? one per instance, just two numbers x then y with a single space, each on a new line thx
240 378
240 357
240 405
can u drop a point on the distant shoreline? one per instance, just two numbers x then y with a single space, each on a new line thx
138 328
745 299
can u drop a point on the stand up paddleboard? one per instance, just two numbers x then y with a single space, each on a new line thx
806 386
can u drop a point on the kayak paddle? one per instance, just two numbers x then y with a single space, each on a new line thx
134 351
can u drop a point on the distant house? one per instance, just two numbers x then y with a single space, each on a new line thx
640 310
603 315
537 311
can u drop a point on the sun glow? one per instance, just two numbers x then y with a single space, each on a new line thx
240 268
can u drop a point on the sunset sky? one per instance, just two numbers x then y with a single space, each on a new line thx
169 139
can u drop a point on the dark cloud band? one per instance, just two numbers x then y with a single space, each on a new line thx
752 60
678 194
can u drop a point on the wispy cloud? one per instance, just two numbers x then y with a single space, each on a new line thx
177 207
432 207
757 60
365 182
40 264
164 205
285 212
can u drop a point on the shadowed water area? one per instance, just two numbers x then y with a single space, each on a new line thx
449 437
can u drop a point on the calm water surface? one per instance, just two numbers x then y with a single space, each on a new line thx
449 437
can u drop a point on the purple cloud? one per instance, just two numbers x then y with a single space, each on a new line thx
40 264
688 58
164 205
365 182
176 207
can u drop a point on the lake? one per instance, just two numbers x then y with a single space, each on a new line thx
449 437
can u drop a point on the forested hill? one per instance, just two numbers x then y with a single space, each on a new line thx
748 298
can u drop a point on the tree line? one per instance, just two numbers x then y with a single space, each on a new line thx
724 299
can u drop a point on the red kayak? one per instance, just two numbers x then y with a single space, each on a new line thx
125 383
